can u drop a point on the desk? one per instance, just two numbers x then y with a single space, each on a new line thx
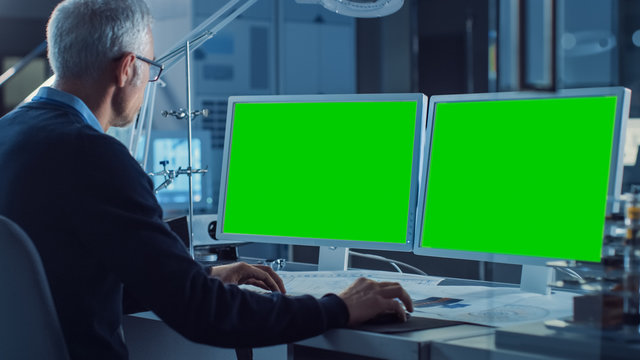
478 348
577 343
535 341
145 331
149 338
402 346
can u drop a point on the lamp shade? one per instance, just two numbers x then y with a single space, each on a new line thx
359 8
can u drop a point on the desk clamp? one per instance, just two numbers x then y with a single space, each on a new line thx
170 175
182 113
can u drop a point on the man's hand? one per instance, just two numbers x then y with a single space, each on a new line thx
242 273
367 298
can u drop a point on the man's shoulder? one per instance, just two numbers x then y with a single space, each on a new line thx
56 131
105 150
98 140
41 120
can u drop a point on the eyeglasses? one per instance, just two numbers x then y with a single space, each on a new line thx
155 68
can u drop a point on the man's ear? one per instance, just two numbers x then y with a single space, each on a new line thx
125 69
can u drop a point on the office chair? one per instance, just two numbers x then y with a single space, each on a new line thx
29 327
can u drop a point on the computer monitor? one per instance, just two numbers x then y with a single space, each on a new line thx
521 178
171 146
322 170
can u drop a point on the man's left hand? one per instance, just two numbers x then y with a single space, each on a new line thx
239 273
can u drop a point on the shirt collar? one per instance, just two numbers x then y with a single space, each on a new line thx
52 95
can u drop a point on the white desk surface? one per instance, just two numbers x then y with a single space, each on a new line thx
407 345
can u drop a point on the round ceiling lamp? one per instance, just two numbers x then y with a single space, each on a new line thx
359 8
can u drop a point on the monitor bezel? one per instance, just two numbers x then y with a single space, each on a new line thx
615 171
420 122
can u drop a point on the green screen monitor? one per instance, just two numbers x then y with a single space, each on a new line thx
521 178
322 170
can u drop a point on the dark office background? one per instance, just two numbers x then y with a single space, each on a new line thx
432 46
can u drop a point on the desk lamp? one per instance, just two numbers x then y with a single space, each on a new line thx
204 32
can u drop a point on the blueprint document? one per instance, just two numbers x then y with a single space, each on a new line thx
496 306
319 283
492 306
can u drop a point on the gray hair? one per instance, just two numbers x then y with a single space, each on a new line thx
85 35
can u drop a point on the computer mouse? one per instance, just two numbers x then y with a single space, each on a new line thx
386 318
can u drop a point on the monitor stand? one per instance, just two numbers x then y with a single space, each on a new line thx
536 279
333 258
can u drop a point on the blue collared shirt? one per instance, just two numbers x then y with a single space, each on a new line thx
49 94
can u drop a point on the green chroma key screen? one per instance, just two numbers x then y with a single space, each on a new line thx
326 170
520 177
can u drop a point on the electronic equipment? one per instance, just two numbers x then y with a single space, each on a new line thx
322 170
521 178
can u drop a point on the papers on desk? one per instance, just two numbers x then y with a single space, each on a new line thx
492 306
319 283
497 306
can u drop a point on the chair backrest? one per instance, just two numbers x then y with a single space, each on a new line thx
29 327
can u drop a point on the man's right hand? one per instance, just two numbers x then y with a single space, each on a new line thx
366 298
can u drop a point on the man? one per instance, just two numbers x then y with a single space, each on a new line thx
92 214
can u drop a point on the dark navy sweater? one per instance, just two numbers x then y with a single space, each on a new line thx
91 212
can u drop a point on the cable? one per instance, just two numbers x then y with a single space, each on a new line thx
390 261
569 272
395 267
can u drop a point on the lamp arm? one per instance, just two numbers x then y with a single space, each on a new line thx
205 31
